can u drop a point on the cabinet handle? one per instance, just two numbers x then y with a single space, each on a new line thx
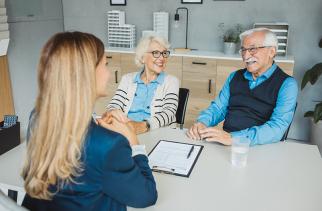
116 81
209 86
200 63
109 57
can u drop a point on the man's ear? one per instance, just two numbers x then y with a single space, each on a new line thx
272 52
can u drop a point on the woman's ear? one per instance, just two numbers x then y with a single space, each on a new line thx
143 58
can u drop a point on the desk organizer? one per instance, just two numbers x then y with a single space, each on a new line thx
9 137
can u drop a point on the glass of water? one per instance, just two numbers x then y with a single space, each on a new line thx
239 151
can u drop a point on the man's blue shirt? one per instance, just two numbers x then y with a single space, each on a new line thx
273 129
140 108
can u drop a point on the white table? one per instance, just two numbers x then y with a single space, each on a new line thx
11 164
283 176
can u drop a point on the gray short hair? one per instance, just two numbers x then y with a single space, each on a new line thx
144 45
269 40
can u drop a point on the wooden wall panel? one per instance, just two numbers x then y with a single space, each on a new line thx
6 99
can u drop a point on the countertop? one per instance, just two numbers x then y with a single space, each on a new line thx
202 54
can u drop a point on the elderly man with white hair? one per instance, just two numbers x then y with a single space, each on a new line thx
257 102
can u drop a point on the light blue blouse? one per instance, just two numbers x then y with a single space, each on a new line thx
140 108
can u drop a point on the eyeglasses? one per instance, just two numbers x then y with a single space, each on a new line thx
157 54
252 50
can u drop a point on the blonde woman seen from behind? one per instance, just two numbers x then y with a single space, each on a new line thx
73 163
147 99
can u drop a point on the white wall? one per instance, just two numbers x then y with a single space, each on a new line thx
27 36
304 18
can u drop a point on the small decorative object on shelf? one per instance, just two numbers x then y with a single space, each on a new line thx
230 37
9 133
9 120
161 24
119 34
281 31
191 1
117 2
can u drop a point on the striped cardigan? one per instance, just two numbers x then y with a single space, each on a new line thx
163 106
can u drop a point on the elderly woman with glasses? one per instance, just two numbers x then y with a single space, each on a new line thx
147 99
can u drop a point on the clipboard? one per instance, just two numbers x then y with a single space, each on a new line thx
174 158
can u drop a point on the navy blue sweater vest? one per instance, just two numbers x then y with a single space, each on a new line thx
252 107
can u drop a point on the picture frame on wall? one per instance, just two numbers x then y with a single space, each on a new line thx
191 1
117 2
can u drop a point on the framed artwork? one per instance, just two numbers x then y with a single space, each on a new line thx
191 1
117 2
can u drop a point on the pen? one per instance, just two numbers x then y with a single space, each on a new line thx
191 149
162 167
164 172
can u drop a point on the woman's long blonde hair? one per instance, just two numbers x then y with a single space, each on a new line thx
67 93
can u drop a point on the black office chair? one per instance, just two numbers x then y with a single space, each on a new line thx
286 132
182 106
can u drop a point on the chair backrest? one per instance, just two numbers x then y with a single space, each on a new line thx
287 130
7 204
182 106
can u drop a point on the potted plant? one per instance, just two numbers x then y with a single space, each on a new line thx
312 75
231 38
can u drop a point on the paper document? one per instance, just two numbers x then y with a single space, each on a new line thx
174 157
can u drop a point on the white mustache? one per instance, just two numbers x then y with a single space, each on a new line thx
251 59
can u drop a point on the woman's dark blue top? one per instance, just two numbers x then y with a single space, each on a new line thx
111 180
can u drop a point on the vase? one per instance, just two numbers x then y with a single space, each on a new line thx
316 134
229 48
